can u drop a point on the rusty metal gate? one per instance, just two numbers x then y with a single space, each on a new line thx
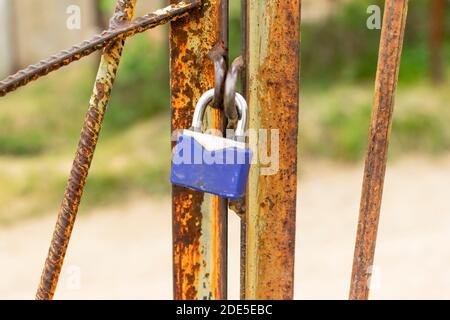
270 73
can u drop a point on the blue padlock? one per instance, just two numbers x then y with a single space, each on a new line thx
209 163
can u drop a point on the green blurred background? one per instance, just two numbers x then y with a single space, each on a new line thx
40 124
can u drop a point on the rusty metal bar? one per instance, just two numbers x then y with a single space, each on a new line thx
199 220
272 59
113 34
391 43
240 208
83 158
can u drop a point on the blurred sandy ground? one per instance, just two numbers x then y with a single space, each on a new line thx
124 252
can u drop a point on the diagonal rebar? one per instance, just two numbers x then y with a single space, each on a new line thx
84 154
113 34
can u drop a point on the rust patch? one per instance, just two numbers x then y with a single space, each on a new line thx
191 75
273 94
391 43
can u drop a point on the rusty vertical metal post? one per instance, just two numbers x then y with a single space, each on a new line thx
199 220
84 155
391 43
272 85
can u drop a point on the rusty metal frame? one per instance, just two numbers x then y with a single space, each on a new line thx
272 90
271 47
112 41
115 33
391 43
199 220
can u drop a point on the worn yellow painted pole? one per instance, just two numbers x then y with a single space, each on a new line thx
391 43
272 90
199 220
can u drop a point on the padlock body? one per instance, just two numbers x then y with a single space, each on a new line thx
211 164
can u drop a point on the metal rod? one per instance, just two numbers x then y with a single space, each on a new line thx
272 60
83 158
391 43
240 208
113 34
199 220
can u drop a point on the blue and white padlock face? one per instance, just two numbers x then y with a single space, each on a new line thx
212 164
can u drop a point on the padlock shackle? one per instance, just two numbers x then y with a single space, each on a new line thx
206 99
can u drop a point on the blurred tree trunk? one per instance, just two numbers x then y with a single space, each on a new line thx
436 40
7 41
101 20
